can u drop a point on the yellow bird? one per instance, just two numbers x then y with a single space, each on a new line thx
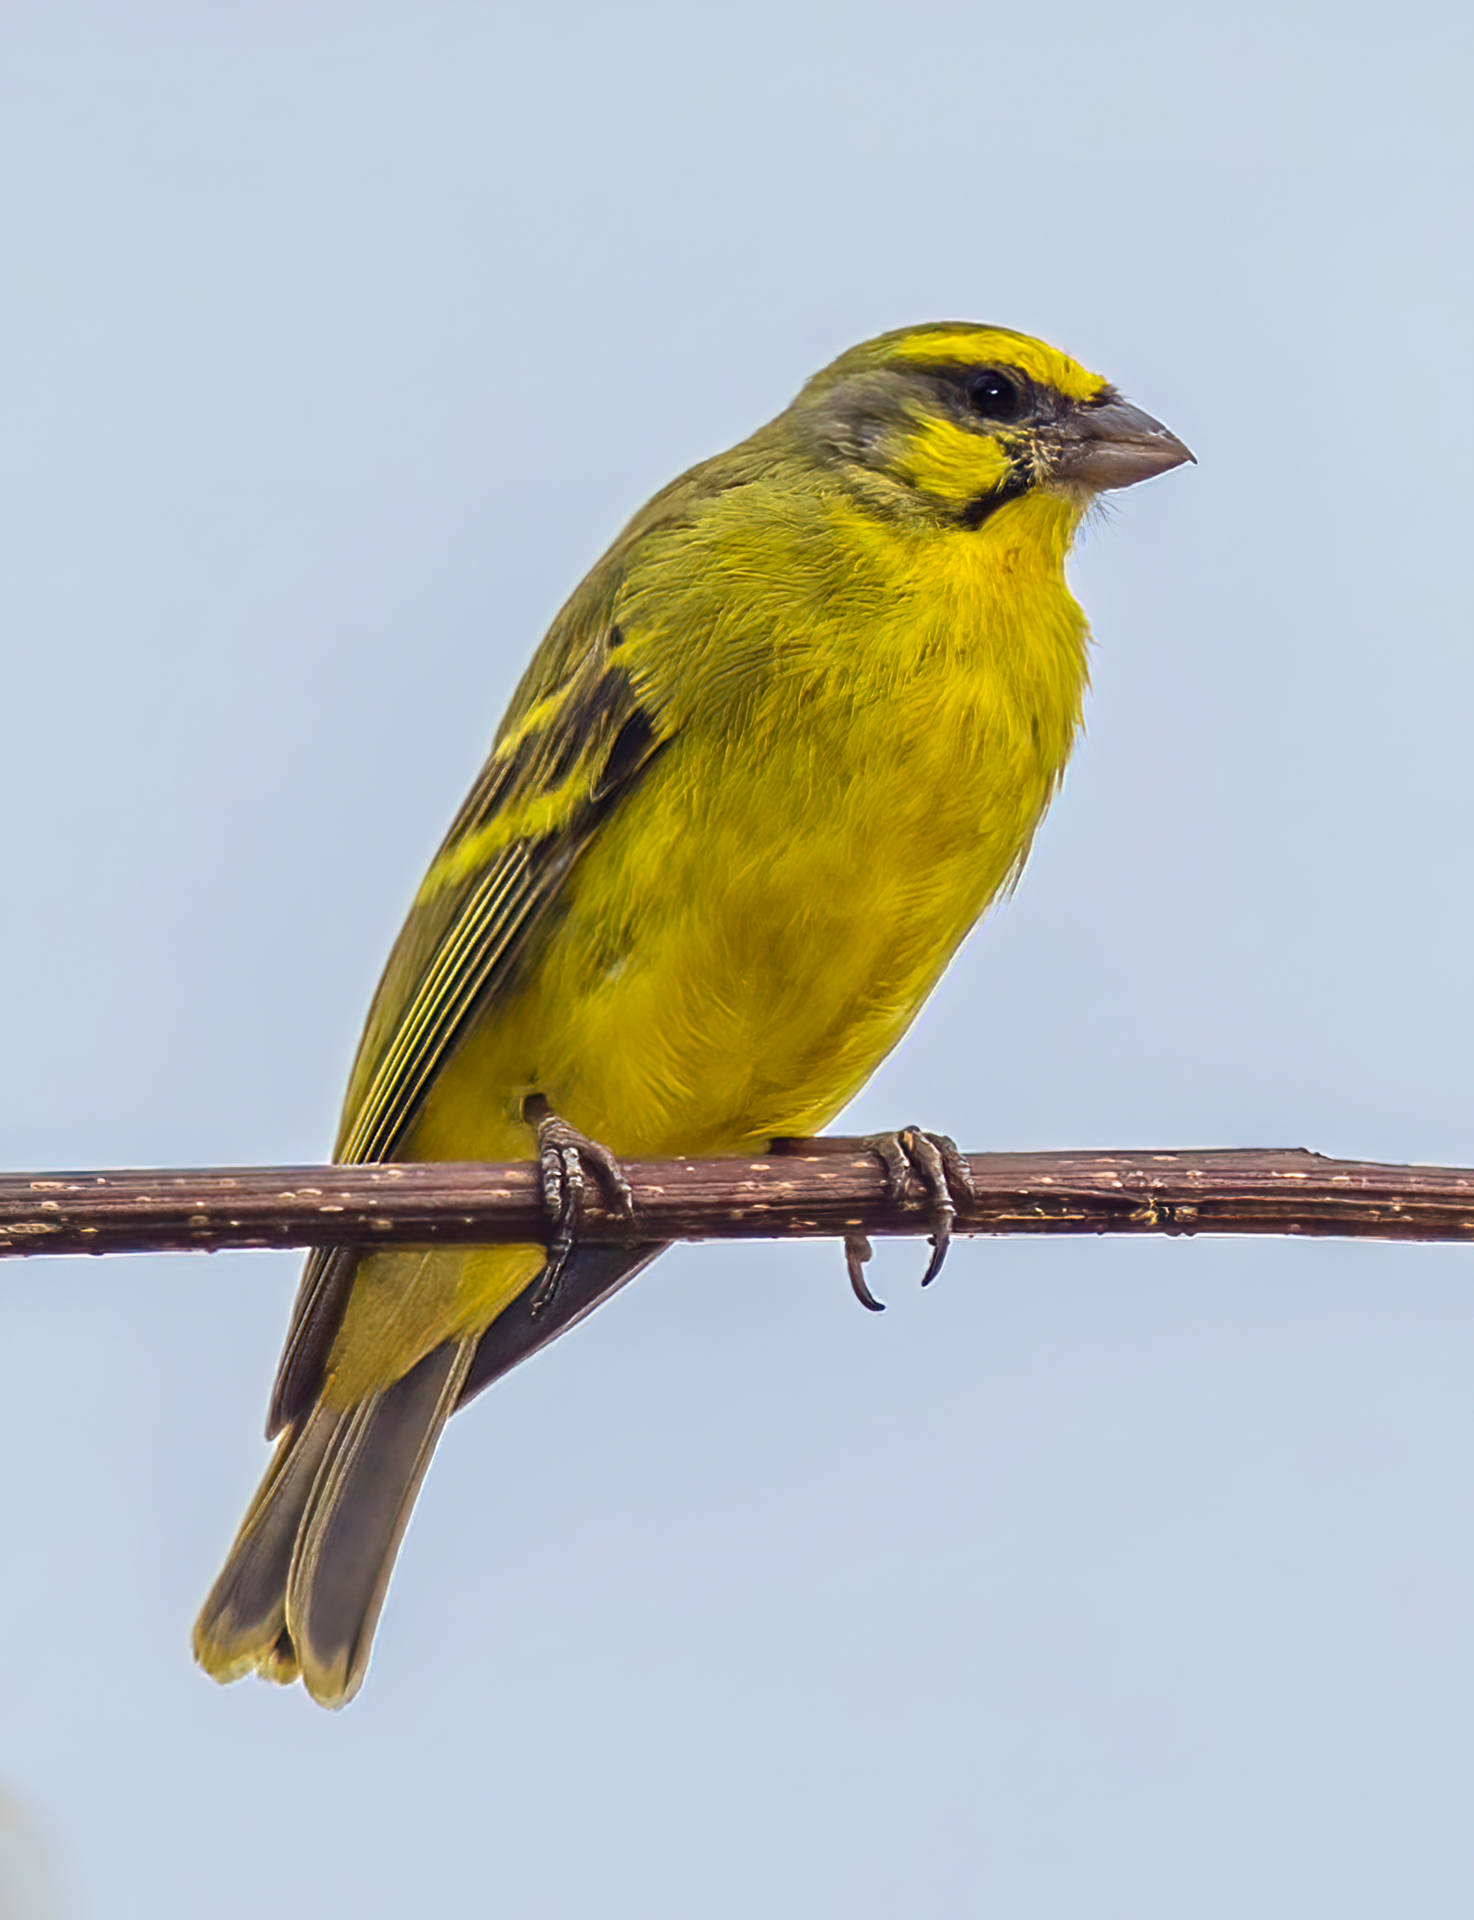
785 743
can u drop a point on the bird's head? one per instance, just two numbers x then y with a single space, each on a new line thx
953 421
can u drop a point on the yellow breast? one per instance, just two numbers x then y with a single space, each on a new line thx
756 927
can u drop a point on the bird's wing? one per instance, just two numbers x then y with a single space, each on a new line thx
578 738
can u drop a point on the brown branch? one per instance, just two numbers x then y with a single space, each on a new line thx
821 1188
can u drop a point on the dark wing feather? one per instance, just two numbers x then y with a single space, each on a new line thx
557 771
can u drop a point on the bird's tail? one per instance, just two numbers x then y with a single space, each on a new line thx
302 1586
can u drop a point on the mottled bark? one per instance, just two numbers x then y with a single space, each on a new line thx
824 1189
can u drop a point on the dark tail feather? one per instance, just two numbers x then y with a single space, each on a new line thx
591 1276
355 1517
244 1617
301 1591
303 1584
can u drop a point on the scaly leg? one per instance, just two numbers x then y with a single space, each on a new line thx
566 1157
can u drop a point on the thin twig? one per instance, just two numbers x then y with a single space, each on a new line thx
818 1189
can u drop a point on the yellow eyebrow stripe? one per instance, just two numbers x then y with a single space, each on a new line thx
996 346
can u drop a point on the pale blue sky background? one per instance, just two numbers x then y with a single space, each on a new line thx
1129 1580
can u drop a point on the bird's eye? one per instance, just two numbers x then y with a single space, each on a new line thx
995 396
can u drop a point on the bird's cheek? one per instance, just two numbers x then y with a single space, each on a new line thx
953 464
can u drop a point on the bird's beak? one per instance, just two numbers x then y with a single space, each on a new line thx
1112 446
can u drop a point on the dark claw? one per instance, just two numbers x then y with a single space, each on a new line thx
546 1290
926 1157
563 1153
857 1250
941 1169
941 1243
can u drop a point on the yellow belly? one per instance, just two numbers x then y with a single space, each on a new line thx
749 934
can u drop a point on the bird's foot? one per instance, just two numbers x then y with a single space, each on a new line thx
934 1160
567 1158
